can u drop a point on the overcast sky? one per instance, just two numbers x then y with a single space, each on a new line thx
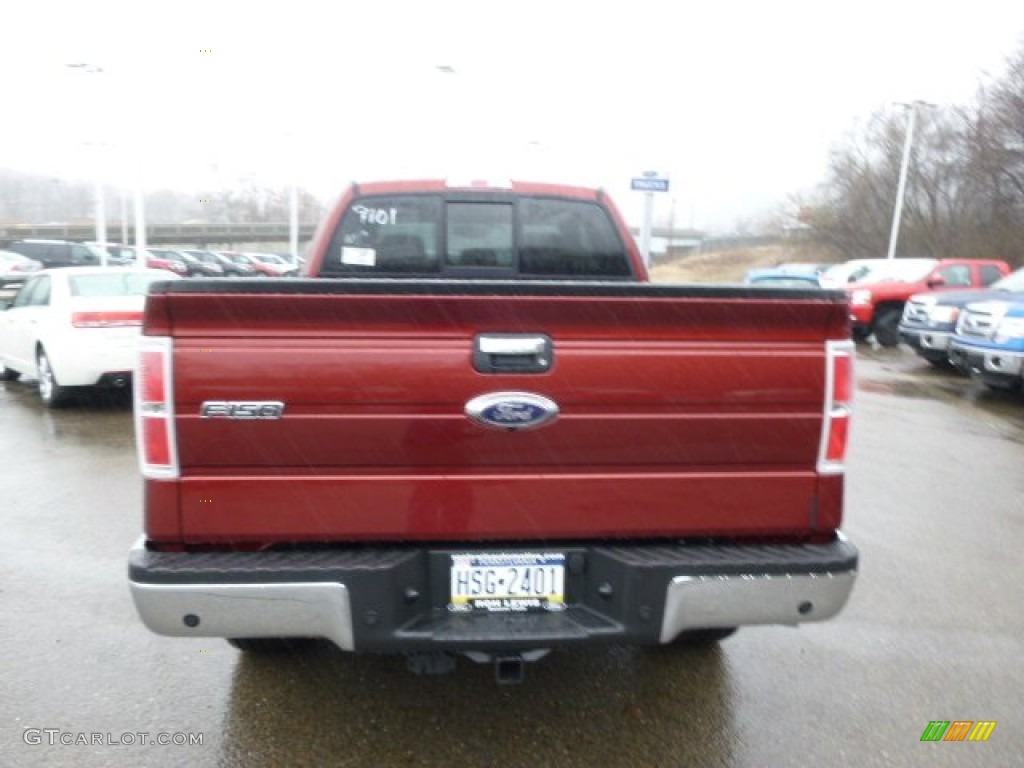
736 102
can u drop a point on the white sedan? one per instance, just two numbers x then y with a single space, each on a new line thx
14 267
75 327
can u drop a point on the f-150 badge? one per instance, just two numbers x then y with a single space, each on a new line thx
511 410
233 409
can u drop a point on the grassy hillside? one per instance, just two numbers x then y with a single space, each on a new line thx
726 266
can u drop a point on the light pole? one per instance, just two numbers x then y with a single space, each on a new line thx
901 187
645 234
293 197
293 222
124 217
100 214
140 214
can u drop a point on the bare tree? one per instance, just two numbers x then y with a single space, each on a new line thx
855 200
996 151
965 185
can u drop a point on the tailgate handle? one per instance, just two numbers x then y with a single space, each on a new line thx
512 353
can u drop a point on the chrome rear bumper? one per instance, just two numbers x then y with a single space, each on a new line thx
394 599
247 610
700 602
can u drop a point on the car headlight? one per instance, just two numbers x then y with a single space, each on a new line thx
860 297
943 315
1009 329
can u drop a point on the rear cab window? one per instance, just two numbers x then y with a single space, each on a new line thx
485 236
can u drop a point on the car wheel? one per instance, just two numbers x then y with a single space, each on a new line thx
9 374
52 394
700 637
887 326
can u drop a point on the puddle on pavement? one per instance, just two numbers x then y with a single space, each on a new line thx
911 378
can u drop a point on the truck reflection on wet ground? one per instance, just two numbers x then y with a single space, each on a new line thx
904 375
638 706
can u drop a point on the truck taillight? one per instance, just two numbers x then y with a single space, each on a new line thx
154 409
835 429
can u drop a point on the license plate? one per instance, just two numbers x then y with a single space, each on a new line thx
508 581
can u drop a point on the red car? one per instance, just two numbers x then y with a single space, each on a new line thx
876 302
154 261
268 265
171 265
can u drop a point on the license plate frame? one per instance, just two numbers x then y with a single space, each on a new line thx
506 582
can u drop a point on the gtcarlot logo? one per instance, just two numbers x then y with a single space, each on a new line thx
56 737
958 730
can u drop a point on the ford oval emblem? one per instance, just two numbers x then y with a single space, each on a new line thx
511 410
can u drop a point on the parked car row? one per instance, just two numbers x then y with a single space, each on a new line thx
929 319
980 332
50 254
878 298
191 262
989 344
961 313
881 289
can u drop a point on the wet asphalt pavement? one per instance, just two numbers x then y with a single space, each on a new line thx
934 630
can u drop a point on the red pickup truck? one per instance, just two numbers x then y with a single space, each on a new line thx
475 427
877 300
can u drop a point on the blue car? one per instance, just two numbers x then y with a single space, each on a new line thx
782 280
929 319
799 271
989 343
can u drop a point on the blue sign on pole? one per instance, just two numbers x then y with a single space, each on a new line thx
649 185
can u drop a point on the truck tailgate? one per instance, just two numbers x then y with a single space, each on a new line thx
682 411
